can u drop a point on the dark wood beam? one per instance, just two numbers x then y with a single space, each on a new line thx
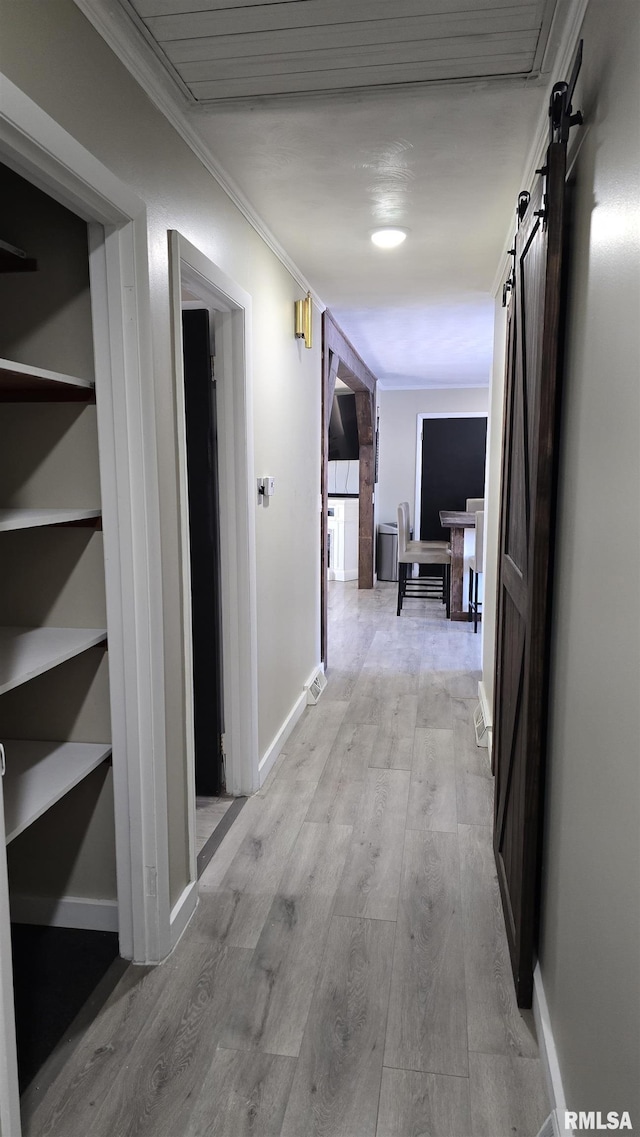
329 371
352 369
365 411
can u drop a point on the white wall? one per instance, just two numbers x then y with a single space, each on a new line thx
590 948
399 412
52 52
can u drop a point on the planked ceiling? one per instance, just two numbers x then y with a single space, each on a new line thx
224 50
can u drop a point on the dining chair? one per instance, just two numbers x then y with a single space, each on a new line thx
421 553
475 569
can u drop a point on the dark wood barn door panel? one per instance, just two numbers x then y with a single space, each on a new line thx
526 558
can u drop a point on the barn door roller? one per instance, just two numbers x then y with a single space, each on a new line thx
561 114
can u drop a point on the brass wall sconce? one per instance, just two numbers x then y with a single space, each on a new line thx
304 316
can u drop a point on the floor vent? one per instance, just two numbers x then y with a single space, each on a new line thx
482 739
316 687
553 1127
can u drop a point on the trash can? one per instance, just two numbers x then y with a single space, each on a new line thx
387 552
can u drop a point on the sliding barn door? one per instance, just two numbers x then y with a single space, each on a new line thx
525 558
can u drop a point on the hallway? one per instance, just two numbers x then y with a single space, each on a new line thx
346 974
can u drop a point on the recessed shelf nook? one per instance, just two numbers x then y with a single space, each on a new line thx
38 774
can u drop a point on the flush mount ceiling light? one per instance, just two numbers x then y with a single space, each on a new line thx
389 237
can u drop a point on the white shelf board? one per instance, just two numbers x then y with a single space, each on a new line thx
17 373
27 652
38 774
11 519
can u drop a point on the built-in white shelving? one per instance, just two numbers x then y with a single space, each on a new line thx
11 519
38 774
27 652
55 787
17 379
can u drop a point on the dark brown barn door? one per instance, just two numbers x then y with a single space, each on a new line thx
526 556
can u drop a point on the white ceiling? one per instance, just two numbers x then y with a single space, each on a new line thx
360 148
444 162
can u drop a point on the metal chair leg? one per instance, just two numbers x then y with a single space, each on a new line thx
401 568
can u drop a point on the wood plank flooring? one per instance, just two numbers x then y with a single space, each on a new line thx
346 973
209 813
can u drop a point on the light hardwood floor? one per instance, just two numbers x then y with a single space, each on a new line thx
346 974
209 814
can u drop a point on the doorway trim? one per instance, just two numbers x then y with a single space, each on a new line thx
232 325
421 416
37 148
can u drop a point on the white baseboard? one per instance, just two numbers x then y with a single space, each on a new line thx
547 1048
486 713
271 753
65 912
182 911
342 574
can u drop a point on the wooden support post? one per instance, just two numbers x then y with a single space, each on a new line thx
330 363
365 410
339 357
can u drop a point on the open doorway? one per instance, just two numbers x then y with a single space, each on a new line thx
210 316
198 351
203 496
212 803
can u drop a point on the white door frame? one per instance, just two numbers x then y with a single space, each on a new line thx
232 323
36 147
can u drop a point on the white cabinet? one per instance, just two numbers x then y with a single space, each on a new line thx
343 538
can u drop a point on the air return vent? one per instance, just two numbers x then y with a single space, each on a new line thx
554 1128
316 687
482 735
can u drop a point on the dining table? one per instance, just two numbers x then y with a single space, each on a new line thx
457 520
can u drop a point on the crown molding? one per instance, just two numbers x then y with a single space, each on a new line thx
561 65
122 34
